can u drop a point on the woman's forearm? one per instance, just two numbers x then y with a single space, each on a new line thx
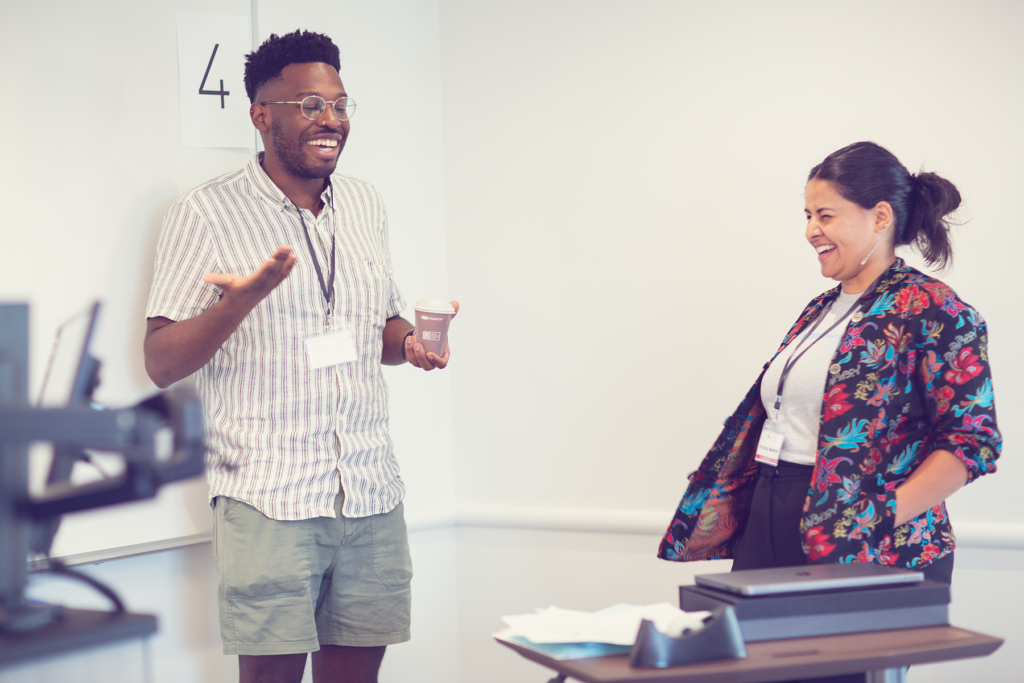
941 475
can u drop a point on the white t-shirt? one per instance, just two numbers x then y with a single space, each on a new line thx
803 393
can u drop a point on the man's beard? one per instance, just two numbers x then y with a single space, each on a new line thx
294 161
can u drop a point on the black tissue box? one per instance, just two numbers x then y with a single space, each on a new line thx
719 639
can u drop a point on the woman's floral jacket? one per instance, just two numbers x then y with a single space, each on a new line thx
909 377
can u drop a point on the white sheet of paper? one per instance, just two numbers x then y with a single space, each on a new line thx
617 625
331 348
220 119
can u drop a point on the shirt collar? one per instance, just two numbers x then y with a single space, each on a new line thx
327 196
893 274
266 189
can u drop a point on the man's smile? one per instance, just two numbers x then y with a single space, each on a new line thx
325 148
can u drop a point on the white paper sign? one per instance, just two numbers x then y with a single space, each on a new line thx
211 62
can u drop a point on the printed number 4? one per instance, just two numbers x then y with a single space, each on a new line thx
202 86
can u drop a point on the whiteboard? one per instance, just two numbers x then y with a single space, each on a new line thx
91 172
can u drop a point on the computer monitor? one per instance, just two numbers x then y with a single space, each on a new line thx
72 372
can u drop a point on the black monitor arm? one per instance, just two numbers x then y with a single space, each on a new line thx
135 433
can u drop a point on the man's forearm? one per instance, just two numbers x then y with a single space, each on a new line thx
393 337
174 350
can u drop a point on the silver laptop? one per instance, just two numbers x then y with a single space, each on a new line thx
809 578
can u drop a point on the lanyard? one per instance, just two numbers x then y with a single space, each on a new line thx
328 288
794 357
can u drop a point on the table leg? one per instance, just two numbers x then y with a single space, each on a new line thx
898 675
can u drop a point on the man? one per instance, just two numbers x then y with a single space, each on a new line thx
309 534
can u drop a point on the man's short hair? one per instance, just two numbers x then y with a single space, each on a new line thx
277 52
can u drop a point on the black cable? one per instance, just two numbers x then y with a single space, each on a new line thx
58 567
89 460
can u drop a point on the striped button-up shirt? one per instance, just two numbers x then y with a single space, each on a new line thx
282 436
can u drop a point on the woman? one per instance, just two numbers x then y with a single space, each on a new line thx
876 408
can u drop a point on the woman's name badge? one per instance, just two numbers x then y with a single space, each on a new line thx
331 347
769 446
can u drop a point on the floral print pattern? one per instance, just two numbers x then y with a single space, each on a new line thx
909 378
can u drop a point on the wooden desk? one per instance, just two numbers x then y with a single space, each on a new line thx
779 660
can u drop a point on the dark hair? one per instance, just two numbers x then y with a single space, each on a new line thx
277 52
866 173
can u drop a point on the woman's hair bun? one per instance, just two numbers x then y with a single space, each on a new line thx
928 227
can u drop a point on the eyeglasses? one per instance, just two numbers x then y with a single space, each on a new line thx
314 106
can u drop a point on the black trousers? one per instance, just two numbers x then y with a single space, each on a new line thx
772 535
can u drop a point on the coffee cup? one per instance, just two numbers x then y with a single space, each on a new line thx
432 319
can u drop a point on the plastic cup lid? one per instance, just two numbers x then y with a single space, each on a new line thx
431 306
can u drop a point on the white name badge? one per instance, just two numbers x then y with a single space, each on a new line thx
769 446
333 346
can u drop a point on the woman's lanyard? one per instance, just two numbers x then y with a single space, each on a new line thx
794 357
328 288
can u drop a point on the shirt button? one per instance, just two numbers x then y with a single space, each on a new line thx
858 316
834 369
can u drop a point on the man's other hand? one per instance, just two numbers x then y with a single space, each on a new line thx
420 358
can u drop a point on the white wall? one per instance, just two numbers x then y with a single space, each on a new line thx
573 164
625 217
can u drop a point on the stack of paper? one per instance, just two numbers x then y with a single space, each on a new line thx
570 634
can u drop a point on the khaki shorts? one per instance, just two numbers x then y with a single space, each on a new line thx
290 587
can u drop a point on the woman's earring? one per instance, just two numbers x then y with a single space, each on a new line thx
878 237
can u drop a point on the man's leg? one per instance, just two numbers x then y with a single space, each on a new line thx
365 597
271 668
267 573
344 664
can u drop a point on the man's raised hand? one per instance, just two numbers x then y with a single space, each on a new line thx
176 349
252 288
